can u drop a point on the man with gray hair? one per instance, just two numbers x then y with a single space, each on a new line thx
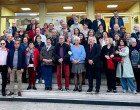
9 42
13 29
76 24
5 33
86 20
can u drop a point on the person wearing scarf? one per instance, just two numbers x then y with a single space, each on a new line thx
124 68
32 60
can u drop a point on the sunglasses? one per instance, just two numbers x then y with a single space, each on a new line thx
2 43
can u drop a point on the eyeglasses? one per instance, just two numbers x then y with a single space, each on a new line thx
2 43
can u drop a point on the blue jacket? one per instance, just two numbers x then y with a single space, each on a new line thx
23 46
112 22
10 45
21 59
95 25
135 55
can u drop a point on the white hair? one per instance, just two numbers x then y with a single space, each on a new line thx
76 38
8 35
136 25
133 39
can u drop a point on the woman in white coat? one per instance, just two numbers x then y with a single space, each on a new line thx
124 68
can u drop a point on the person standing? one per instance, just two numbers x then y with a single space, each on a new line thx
13 29
32 59
47 61
87 21
124 68
61 53
135 60
116 20
3 65
93 51
107 53
16 63
78 59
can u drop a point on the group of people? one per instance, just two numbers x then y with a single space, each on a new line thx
77 49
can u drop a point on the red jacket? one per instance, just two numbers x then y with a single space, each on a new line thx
36 57
32 34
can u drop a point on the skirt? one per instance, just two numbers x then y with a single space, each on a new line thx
78 68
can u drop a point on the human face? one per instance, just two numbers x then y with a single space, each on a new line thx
48 42
91 41
85 26
31 45
25 40
17 44
38 40
116 14
81 36
105 35
3 44
76 41
116 27
76 31
38 31
5 33
101 28
84 16
133 43
98 16
107 42
90 33
136 28
61 39
128 36
14 24
54 33
51 26
16 35
38 26
76 20
33 21
117 37
69 39
121 43
21 29
10 37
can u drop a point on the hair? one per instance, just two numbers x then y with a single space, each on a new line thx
66 38
31 42
76 38
9 35
46 24
51 23
3 40
32 26
136 25
100 25
78 30
83 40
126 34
121 39
133 39
115 11
110 40
103 33
49 38
37 37
85 24
90 31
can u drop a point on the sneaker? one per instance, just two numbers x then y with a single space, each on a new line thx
114 91
67 89
108 90
60 89
134 92
11 93
124 91
46 88
37 81
43 81
34 88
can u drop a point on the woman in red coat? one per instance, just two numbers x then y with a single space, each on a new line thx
32 32
32 59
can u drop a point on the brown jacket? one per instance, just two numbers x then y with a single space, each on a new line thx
44 54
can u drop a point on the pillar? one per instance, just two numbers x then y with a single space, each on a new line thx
91 10
0 19
42 13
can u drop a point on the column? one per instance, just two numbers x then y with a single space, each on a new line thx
91 10
0 19
42 13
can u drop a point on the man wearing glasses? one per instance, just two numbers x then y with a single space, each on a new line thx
3 66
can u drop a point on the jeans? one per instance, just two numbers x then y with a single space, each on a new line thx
59 75
47 75
91 70
130 82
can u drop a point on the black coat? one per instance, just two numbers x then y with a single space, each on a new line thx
88 21
66 57
39 47
106 51
94 55
95 25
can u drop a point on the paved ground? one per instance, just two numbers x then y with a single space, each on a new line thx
52 106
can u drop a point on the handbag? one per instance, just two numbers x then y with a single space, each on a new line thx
110 64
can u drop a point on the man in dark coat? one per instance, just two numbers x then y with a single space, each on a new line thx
87 21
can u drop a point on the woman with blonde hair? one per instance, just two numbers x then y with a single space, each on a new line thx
107 55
